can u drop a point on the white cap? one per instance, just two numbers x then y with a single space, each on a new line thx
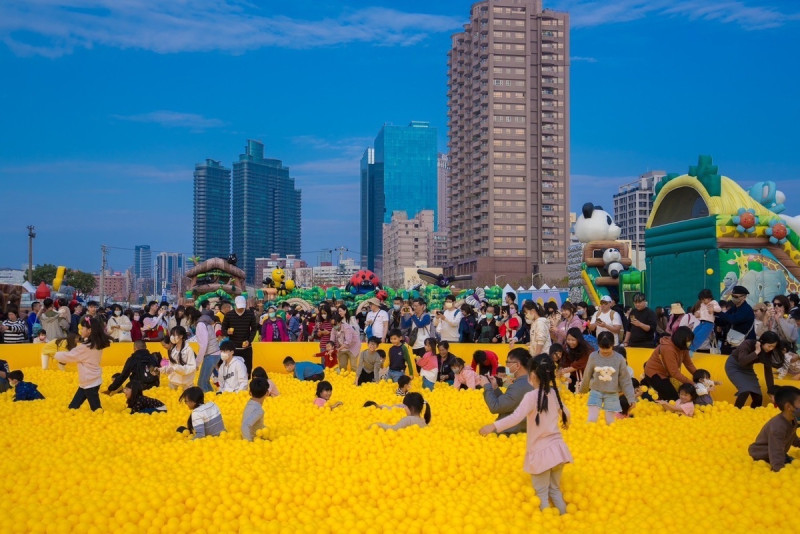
241 302
605 298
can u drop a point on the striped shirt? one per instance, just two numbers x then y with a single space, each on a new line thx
207 421
16 331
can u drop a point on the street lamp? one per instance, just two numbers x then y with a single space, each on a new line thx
497 276
534 275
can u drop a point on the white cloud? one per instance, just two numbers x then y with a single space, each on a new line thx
587 13
174 119
56 28
350 146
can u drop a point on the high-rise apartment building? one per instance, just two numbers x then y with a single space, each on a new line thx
266 209
508 98
406 243
170 269
212 210
443 170
632 206
142 262
400 174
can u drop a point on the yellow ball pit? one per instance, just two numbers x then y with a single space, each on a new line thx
328 471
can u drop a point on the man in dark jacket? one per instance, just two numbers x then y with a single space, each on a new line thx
137 367
740 317
241 326
504 404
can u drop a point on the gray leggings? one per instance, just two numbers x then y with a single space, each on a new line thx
548 487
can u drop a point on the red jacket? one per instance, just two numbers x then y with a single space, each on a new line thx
328 360
491 359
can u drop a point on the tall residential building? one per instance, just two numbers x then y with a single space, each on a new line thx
508 98
399 175
632 206
443 170
212 210
142 262
372 208
406 243
170 269
266 209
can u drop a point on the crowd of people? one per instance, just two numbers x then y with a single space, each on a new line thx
572 349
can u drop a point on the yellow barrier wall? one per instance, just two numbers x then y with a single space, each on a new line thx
270 356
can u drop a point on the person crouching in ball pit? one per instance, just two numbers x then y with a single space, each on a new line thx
138 402
206 419
324 393
272 389
465 377
780 433
304 370
253 416
23 391
546 450
87 355
413 403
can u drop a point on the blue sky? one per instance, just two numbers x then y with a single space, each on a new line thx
106 105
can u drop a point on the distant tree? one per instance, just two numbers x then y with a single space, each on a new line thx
83 282
42 273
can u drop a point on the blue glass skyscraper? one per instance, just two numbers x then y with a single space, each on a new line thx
402 176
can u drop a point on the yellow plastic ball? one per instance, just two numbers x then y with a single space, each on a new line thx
709 271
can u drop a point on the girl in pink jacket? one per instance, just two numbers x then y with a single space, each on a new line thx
546 452
87 355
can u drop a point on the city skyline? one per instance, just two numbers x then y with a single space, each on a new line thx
106 154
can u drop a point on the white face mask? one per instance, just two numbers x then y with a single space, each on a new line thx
118 313
396 306
174 339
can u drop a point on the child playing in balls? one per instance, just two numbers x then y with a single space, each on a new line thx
465 377
403 385
306 371
87 355
253 416
428 364
4 370
704 386
259 372
607 376
780 433
413 404
370 362
546 450
138 402
206 419
687 395
232 372
328 358
324 392
23 391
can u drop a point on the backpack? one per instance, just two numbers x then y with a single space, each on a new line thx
592 341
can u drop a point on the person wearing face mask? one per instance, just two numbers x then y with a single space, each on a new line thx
232 371
136 325
396 314
663 369
447 321
119 326
273 329
488 331
323 327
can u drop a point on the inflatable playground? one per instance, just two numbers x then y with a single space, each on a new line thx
704 231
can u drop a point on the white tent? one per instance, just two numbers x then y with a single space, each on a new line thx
545 286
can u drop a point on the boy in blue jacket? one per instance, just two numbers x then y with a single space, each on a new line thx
304 370
24 391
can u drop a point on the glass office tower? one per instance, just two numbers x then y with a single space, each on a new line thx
212 210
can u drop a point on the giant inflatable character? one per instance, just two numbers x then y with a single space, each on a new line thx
364 281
